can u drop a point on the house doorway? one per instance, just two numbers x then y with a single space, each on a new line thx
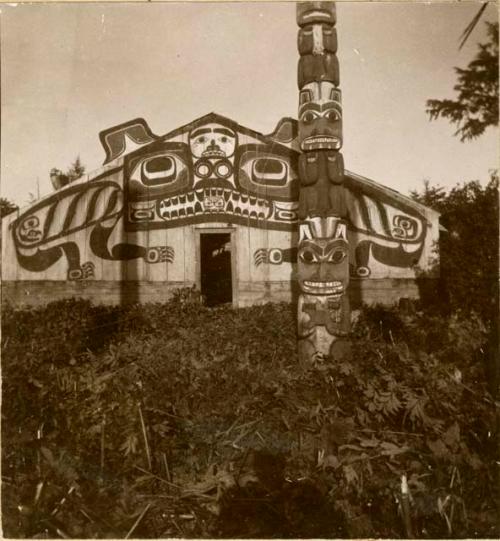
215 268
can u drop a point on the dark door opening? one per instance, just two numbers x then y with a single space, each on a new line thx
215 268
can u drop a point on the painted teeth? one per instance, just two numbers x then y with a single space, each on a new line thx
322 284
215 200
323 139
312 142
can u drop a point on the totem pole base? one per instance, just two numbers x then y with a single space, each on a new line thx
322 346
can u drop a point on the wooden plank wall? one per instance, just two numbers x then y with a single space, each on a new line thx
258 277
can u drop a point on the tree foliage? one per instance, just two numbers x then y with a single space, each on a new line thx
468 249
76 170
476 105
6 207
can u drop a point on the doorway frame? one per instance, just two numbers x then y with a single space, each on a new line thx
231 231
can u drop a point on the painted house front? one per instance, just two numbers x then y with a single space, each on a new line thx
212 205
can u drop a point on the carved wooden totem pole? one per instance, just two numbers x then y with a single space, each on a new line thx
323 251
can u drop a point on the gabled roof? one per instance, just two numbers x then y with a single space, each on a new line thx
285 134
215 117
370 186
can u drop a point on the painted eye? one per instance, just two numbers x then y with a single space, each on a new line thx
202 139
31 222
269 172
308 117
404 227
332 115
158 170
223 139
308 257
337 256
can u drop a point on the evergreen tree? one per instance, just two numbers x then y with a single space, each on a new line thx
76 169
6 207
476 105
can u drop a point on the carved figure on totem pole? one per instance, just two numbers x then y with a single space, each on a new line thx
323 276
323 251
320 117
316 13
318 67
317 39
321 176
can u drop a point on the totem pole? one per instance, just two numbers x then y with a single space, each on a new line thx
323 251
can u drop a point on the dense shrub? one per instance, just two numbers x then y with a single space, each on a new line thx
468 247
179 420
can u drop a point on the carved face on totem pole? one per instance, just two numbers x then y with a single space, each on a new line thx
320 117
323 274
323 266
316 12
323 257
317 39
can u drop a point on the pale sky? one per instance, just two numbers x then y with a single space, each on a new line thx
69 71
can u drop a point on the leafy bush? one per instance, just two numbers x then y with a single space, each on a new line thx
178 420
468 248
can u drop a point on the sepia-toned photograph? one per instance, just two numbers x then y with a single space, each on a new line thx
250 270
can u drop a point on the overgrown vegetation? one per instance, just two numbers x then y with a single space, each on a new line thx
177 420
468 248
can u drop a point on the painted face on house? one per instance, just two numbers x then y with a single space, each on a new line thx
212 178
320 117
212 141
323 266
